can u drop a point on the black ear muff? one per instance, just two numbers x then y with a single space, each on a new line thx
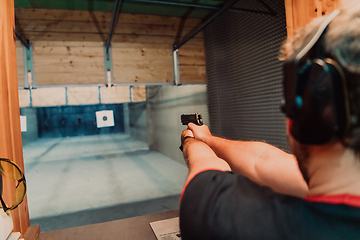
318 113
315 93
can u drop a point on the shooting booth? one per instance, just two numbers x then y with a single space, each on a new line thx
120 73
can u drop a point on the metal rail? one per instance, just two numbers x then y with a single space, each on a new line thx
228 5
114 20
203 6
23 40
99 85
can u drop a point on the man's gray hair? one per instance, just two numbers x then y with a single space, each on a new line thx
342 39
342 43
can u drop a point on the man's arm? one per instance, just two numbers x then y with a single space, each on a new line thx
199 156
262 163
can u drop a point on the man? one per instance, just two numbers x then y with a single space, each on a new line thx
270 194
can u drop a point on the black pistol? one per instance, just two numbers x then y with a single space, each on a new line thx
191 118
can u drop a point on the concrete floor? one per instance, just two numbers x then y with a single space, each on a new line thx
89 179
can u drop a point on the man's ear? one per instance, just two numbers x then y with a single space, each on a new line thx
288 123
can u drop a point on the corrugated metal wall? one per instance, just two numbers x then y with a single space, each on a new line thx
244 75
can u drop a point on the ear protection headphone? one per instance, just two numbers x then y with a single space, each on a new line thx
315 93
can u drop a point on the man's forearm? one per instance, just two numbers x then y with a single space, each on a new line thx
262 163
199 157
241 155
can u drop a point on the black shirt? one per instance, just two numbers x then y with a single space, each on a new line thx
226 205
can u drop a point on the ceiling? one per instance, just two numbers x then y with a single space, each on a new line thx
128 6
153 7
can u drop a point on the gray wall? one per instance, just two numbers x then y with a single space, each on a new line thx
165 104
31 134
137 122
244 74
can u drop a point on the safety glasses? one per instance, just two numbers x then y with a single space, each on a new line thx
10 171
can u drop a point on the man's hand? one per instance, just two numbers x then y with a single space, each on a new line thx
186 133
201 133
199 156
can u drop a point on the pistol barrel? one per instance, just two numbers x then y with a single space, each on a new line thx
191 118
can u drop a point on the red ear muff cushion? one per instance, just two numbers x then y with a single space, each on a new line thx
290 125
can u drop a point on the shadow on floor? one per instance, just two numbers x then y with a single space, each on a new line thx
118 212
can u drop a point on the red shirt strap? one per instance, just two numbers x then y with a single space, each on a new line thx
188 181
348 199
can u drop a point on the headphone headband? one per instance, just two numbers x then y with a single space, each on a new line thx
315 92
315 38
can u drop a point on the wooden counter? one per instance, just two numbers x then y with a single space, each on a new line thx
125 229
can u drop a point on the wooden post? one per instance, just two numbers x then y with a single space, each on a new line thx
10 133
301 12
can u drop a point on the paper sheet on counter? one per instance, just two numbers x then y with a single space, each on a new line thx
167 229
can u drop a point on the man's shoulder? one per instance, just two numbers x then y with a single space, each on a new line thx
232 182
232 206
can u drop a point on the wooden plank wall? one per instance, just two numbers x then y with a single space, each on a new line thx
24 98
301 12
58 96
43 97
58 63
82 95
10 137
138 93
68 47
116 94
